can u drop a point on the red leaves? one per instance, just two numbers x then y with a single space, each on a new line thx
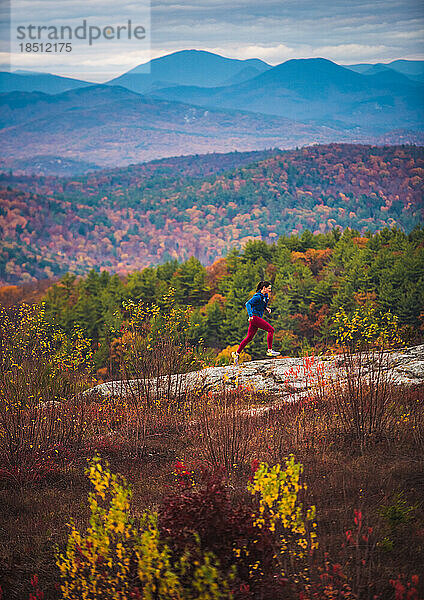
36 594
405 590
225 527
314 259
253 468
358 517
184 475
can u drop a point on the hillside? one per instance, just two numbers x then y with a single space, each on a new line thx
126 219
112 126
198 165
27 81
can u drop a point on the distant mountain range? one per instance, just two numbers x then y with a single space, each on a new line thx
185 67
414 69
194 101
318 90
112 126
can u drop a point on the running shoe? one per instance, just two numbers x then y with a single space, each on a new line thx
236 357
271 352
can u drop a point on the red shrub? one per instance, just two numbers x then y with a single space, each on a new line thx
225 527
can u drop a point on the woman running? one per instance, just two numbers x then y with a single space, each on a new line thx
255 309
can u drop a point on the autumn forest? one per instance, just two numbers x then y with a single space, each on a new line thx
129 218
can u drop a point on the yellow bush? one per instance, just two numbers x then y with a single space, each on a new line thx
117 557
155 338
368 327
225 358
43 372
277 489
28 335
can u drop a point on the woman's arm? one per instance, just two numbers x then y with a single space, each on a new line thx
248 306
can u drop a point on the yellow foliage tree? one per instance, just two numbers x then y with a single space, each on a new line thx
225 358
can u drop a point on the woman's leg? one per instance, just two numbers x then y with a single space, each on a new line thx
250 333
262 324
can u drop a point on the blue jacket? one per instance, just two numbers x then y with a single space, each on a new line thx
257 304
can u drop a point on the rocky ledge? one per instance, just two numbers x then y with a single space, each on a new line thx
282 376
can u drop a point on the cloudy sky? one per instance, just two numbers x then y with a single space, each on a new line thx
345 31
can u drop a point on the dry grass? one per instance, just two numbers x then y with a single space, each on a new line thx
224 428
341 473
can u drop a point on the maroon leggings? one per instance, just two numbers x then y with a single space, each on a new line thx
255 324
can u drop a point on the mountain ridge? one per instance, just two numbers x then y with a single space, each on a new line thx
316 90
161 71
129 127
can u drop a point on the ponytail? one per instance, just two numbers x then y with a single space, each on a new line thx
262 284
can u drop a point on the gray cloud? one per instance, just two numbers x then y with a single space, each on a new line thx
379 31
274 30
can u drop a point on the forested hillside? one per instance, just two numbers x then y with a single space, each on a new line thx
130 218
312 276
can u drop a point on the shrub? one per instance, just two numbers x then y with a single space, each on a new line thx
280 511
361 392
404 589
366 327
42 375
224 427
396 517
121 558
156 349
266 536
